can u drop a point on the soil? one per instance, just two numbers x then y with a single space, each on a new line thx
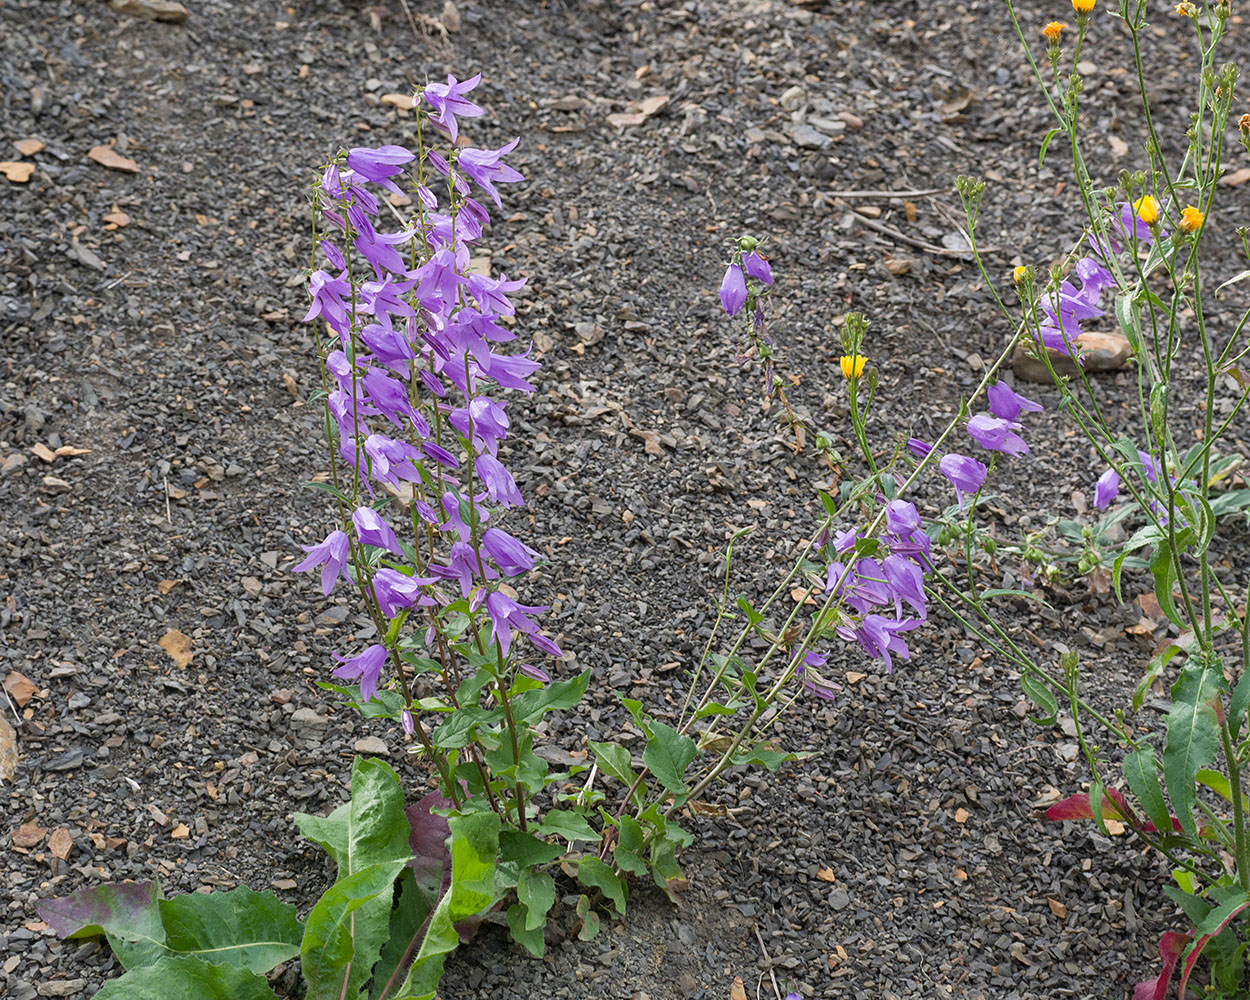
151 317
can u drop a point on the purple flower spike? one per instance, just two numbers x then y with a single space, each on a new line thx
966 474
365 668
500 485
1106 489
994 434
395 591
372 530
448 101
757 267
331 555
733 290
1006 403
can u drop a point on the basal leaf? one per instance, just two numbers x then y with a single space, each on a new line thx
252 930
594 874
345 932
408 917
127 913
537 890
530 938
527 850
176 977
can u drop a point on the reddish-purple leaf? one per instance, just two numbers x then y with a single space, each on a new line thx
1170 947
1077 807
1192 958
431 861
128 913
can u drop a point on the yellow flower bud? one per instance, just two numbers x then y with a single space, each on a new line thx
853 365
1147 209
1018 273
1052 31
1191 219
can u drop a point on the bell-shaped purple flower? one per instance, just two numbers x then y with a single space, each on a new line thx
1006 403
372 530
901 518
395 591
500 486
482 166
331 554
966 474
505 615
919 448
906 581
757 267
509 554
381 164
365 668
733 290
994 434
1106 489
449 103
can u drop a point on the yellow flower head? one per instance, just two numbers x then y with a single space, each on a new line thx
853 365
1052 31
1244 124
1191 219
1017 275
1186 8
1083 6
1147 209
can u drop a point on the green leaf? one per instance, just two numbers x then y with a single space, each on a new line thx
1163 569
667 755
589 919
368 839
1192 737
1041 156
634 707
594 874
529 938
1242 276
1215 781
537 890
175 977
1154 669
385 704
252 930
567 825
1038 692
459 729
412 907
474 848
614 761
328 488
526 850
1008 592
1128 322
1143 779
763 756
345 931
127 913
558 695
1147 535
1240 701
753 616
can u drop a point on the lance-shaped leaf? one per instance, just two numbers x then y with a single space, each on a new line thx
253 930
1170 947
1215 922
1078 807
127 913
474 848
183 976
1192 737
367 836
1143 779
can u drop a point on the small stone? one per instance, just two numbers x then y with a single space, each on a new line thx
61 987
792 97
839 899
373 745
252 586
307 718
809 138
12 463
1102 352
154 10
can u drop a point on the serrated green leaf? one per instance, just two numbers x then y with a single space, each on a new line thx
537 890
127 913
173 978
1142 776
1192 737
667 756
253 930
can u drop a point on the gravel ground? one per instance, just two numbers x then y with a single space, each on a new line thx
150 315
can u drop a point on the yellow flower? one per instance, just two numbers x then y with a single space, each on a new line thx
1191 219
1244 124
1186 8
1083 6
1052 31
1017 275
853 365
1147 209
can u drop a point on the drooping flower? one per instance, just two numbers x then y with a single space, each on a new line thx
811 664
994 434
482 166
448 101
1106 489
365 668
381 164
509 554
331 554
1006 403
505 615
500 486
1191 219
919 448
757 267
966 474
733 290
853 365
372 530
